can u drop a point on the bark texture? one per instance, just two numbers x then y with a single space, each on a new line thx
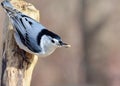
16 71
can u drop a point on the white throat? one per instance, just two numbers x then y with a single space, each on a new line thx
47 46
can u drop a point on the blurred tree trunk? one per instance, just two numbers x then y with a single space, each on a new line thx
102 45
85 37
91 29
16 71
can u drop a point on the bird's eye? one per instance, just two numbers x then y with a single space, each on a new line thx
52 41
60 42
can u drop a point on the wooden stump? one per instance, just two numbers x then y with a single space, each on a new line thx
15 71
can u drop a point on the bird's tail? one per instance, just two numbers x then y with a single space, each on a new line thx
9 8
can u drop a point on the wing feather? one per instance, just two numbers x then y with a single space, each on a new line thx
26 32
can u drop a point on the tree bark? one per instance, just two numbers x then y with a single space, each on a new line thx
16 71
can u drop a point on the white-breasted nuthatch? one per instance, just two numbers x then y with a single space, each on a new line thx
30 35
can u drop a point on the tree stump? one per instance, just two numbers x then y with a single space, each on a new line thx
15 71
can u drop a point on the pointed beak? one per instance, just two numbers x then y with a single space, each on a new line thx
65 45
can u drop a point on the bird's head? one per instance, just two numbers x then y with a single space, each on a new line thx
53 39
50 41
57 41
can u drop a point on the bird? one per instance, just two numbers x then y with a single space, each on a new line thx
30 35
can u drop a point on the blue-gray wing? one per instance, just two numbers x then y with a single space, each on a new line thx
27 28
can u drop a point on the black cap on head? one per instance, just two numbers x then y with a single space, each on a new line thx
48 33
51 34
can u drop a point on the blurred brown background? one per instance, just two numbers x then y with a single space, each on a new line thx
92 27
